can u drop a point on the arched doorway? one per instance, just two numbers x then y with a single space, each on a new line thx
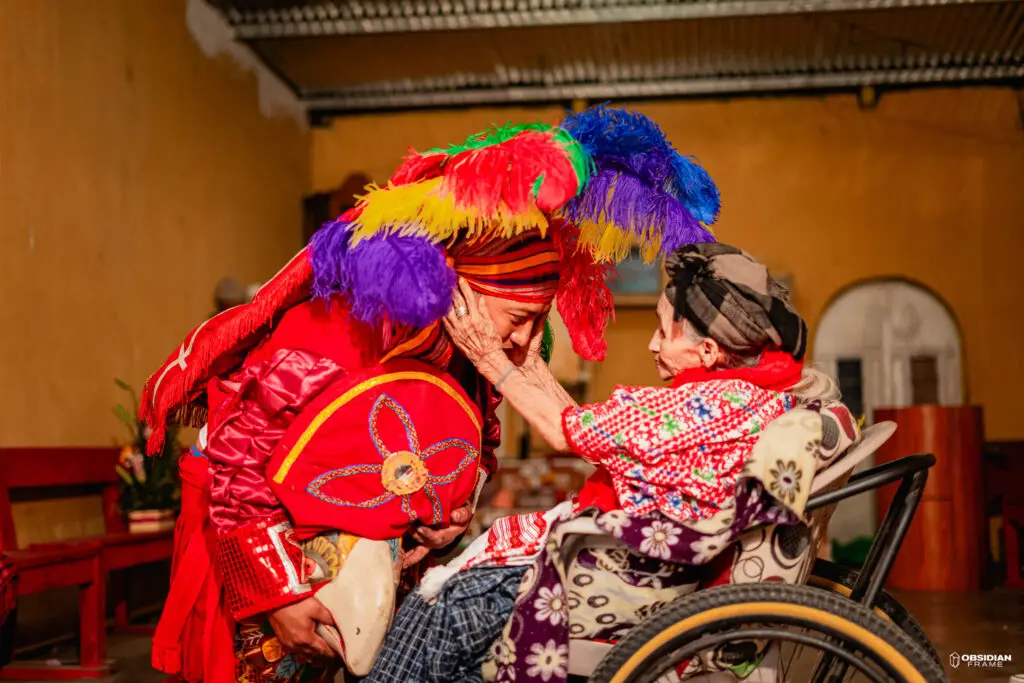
890 343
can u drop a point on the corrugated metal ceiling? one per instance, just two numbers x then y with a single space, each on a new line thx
346 56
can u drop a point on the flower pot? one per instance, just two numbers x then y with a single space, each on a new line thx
147 521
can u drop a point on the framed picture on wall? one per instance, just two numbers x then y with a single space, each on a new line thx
637 284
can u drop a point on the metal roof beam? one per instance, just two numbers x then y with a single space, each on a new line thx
365 98
260 20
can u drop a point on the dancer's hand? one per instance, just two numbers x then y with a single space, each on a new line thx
295 626
435 538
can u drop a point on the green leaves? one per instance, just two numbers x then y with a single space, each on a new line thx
147 483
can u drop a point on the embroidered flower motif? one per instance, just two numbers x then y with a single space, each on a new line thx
707 475
412 453
701 410
670 426
551 605
706 548
504 652
506 672
657 539
653 579
615 521
547 661
735 398
785 483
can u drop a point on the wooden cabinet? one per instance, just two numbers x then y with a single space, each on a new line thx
944 548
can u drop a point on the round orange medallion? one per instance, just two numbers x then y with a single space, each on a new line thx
403 473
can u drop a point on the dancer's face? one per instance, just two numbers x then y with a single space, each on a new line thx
515 322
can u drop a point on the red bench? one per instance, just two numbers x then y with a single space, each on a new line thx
84 562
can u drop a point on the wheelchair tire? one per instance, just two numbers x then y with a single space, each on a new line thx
845 626
836 578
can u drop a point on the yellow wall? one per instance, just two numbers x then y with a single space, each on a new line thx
374 144
926 186
134 173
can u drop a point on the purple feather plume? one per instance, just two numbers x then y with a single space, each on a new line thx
327 251
611 135
405 277
627 200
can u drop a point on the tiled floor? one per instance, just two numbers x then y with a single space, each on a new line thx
965 623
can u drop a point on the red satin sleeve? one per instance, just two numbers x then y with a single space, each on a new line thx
257 407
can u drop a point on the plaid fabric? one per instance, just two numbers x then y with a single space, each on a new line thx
446 642
732 298
676 450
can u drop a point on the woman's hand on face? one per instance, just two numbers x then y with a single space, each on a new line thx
532 360
470 327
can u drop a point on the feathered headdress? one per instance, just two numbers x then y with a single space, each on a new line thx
641 190
602 181
566 201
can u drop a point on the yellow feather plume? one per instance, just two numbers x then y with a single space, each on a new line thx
608 242
424 209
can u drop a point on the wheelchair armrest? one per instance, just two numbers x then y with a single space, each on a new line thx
872 438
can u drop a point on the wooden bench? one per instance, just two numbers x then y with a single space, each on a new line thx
85 562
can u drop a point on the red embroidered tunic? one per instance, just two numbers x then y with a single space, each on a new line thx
227 500
676 449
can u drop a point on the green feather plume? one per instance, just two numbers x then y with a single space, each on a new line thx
547 342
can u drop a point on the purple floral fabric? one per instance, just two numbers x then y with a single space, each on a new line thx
534 648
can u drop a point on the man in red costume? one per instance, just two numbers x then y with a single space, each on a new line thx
346 304
525 215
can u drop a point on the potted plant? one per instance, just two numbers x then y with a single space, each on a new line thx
150 487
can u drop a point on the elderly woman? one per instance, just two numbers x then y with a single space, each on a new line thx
731 346
674 482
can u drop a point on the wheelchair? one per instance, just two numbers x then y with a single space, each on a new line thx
812 621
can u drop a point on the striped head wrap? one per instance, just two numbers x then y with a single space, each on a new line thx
521 268
728 296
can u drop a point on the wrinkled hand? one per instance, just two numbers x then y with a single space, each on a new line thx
434 538
529 358
295 626
472 332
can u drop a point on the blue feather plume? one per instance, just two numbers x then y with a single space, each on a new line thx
634 144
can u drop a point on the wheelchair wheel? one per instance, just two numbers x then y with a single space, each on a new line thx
760 632
839 579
